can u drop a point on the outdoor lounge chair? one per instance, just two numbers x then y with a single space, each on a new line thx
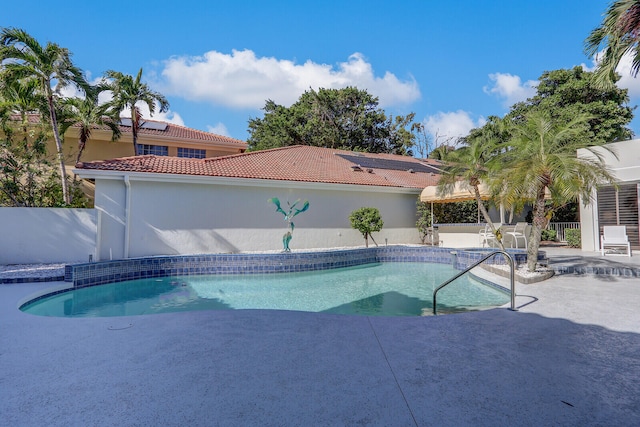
614 237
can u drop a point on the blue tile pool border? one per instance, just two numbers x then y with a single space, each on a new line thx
97 273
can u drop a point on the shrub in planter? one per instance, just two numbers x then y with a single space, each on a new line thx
549 235
573 237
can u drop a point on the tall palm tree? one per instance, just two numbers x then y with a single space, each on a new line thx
470 166
541 159
618 34
23 58
127 93
87 115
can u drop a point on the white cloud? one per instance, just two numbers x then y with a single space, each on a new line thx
242 80
446 128
219 129
510 88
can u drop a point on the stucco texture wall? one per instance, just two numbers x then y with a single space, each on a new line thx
44 235
166 218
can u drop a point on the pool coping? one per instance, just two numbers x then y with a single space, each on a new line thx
96 273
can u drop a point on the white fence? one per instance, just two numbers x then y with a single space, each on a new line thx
560 227
39 235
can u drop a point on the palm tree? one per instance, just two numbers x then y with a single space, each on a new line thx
127 93
470 166
23 58
619 34
87 115
540 159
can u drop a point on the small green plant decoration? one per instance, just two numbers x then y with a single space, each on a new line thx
366 221
288 216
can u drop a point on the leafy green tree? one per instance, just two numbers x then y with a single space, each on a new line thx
541 157
23 146
27 177
23 58
346 119
87 115
618 34
366 221
128 92
567 93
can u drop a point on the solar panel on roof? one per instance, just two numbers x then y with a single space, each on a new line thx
390 164
154 125
125 121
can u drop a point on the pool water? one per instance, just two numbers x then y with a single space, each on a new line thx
386 289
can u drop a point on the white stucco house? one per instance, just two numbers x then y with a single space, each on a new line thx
614 205
158 205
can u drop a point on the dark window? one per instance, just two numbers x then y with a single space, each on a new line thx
158 150
192 153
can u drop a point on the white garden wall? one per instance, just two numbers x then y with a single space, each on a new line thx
146 215
38 235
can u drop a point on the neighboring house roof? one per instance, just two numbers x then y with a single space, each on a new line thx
173 131
157 128
294 163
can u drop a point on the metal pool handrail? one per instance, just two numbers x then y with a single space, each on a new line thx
511 278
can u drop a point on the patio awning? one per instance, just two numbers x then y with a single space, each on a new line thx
460 194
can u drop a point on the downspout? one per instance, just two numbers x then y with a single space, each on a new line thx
127 215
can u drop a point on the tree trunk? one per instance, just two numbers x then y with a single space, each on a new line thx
134 129
485 214
81 145
56 137
538 224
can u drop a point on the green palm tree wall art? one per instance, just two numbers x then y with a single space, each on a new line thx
288 217
23 58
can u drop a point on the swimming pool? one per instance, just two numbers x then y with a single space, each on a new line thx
377 289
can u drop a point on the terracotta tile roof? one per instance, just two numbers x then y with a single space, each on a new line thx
295 163
182 132
171 131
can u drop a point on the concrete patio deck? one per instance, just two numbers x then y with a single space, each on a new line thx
569 356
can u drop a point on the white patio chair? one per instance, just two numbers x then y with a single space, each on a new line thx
518 233
486 236
614 237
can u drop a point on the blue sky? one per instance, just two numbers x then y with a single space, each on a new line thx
453 63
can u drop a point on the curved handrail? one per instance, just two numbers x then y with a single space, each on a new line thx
511 278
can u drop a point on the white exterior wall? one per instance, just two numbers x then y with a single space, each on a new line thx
190 216
626 168
39 235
